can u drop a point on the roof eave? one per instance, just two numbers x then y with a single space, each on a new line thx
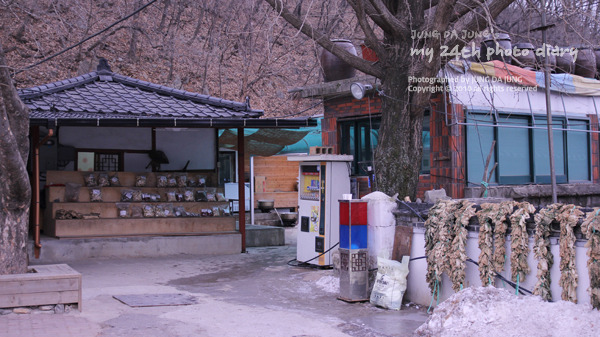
175 122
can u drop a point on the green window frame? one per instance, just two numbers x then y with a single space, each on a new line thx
521 149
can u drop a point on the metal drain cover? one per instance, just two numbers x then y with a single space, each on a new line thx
155 300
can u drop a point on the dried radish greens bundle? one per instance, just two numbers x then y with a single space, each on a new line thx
438 236
458 256
591 228
541 250
486 244
500 228
568 218
519 242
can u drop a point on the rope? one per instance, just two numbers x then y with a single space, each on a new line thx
433 294
485 193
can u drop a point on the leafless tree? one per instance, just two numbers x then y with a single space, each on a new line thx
388 28
15 191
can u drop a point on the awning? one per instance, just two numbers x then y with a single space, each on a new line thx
268 142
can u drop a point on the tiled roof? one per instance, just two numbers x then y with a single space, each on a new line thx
103 94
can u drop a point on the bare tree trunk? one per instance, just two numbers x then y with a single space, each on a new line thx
15 190
400 143
132 52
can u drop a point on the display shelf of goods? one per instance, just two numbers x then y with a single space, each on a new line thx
76 210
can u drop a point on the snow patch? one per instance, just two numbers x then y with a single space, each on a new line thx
489 311
330 284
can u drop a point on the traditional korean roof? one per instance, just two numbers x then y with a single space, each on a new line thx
105 98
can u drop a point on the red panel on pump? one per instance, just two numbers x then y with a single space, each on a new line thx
358 212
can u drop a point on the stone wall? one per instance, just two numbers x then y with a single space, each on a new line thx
585 195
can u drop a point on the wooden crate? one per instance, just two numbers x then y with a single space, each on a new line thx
45 285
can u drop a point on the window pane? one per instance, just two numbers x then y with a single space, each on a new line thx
578 152
513 151
425 160
479 141
365 145
541 155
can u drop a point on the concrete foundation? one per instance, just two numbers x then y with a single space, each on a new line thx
65 250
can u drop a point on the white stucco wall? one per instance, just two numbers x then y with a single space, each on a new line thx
418 289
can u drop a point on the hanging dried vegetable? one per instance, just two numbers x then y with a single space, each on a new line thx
591 228
486 236
437 240
568 217
500 228
541 250
519 242
458 256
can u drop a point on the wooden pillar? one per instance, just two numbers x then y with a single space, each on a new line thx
34 131
241 187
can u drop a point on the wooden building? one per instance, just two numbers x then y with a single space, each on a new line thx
119 127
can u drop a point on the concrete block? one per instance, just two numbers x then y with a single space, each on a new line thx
261 236
432 196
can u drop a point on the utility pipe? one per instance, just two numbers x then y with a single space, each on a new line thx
252 189
547 84
36 185
241 188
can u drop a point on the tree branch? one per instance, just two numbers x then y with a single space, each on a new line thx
372 14
477 22
427 4
398 27
324 41
463 8
371 39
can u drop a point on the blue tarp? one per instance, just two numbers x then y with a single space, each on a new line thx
269 142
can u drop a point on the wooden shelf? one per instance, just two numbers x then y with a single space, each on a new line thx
113 194
109 210
110 224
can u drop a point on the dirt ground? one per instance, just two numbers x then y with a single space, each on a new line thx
252 294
